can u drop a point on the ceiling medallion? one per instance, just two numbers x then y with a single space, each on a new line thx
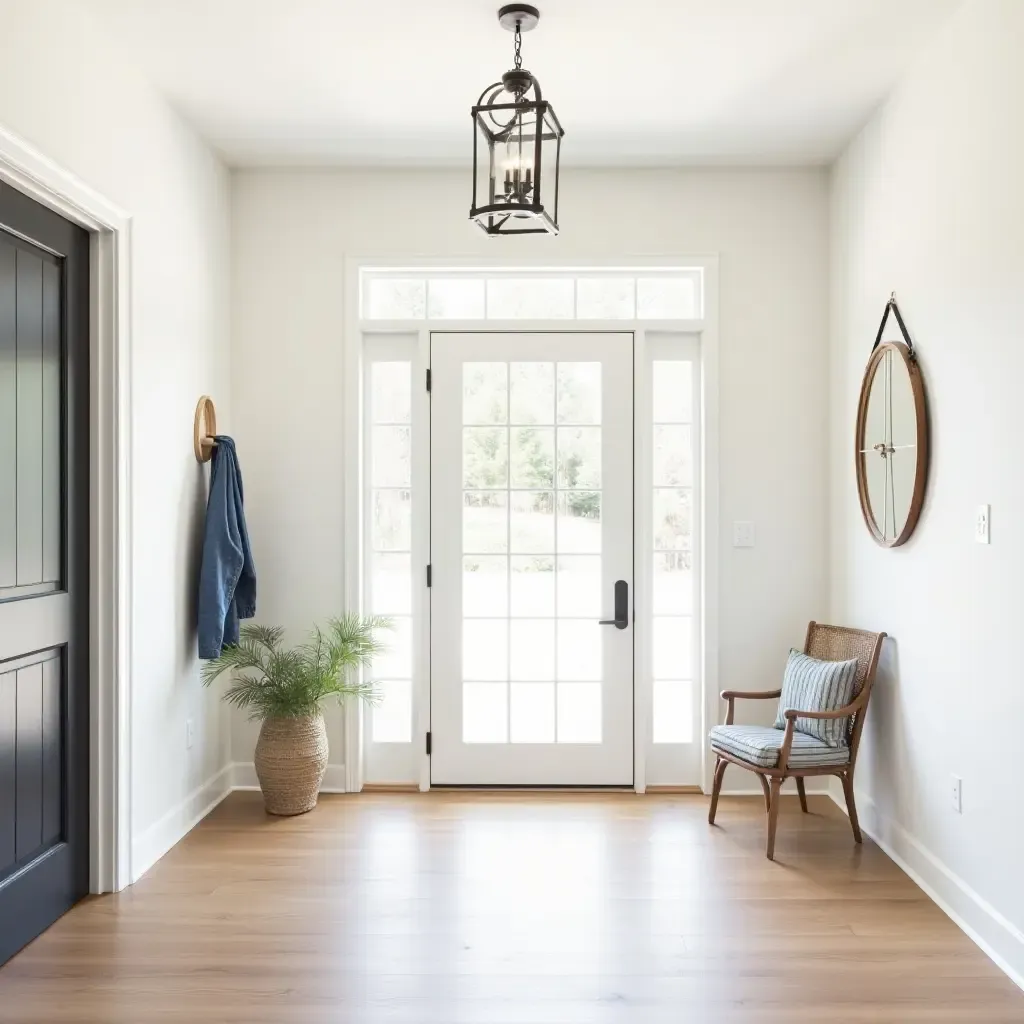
517 143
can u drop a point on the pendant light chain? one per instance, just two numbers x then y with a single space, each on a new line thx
519 47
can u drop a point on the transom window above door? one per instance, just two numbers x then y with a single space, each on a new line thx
614 293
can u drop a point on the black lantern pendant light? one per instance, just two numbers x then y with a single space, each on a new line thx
517 144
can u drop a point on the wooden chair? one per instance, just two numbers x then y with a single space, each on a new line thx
829 643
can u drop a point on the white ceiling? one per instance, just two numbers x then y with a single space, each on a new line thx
634 82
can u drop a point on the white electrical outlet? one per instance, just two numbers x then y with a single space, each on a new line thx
983 524
742 534
189 732
956 792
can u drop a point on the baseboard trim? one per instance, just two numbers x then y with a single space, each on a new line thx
996 936
243 776
161 836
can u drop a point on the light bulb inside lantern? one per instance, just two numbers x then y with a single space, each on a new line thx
518 172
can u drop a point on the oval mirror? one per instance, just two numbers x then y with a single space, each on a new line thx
892 444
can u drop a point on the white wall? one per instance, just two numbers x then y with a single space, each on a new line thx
65 89
928 201
291 234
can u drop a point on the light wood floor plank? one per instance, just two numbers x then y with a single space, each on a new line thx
510 908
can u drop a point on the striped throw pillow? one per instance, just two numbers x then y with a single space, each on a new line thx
813 685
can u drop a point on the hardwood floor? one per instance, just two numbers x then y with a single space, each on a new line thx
514 908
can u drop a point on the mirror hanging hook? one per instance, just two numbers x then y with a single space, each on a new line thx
891 307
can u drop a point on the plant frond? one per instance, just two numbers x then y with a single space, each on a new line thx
269 637
246 654
271 682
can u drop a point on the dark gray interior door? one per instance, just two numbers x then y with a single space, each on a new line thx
44 586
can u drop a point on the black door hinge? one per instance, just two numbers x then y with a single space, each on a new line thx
430 575
428 378
428 744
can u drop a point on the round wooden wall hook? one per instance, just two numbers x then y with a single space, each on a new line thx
204 429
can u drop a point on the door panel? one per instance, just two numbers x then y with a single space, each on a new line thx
8 766
53 758
44 527
30 418
531 527
8 416
50 454
28 825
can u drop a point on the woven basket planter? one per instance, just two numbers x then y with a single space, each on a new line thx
291 758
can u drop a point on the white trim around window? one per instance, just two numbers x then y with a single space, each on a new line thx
366 340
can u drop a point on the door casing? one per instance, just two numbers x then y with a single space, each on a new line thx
31 172
357 331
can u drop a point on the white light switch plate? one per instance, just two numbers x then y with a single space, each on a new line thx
956 792
983 524
742 534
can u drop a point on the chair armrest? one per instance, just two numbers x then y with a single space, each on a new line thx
731 695
792 714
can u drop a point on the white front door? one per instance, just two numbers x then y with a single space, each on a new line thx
531 559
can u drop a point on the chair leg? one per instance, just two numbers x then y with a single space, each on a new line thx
716 788
803 793
851 806
767 793
773 816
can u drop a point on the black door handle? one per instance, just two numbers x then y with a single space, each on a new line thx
621 620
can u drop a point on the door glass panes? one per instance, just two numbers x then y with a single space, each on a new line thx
485 590
532 392
485 522
672 655
533 456
579 522
532 585
532 522
532 661
579 392
484 457
390 534
532 712
484 393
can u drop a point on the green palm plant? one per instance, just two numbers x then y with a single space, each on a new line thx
270 681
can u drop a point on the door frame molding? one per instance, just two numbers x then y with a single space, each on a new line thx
352 516
33 173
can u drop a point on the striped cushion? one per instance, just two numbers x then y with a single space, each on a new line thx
760 745
813 685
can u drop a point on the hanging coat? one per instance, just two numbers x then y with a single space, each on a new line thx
227 578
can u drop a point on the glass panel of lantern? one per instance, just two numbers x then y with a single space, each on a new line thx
515 172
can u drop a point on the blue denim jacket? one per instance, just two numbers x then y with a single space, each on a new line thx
227 579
